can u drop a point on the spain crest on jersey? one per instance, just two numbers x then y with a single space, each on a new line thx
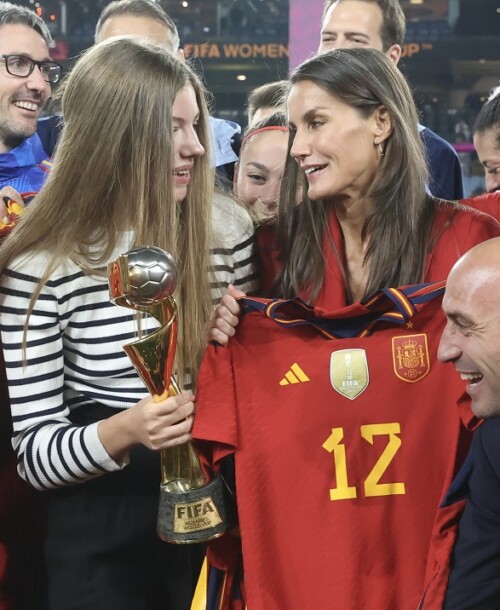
410 356
349 372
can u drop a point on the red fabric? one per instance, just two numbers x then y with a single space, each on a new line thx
302 549
489 203
267 256
22 523
443 539
455 231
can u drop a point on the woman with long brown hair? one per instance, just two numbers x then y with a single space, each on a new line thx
354 213
342 448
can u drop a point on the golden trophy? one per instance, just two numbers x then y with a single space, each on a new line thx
192 503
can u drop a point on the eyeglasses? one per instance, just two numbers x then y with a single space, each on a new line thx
22 66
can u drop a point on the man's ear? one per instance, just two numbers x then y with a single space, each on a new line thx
394 53
235 178
180 55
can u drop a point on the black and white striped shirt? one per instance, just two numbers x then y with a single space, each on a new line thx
74 357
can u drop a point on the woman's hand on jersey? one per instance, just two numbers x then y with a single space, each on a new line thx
156 425
225 317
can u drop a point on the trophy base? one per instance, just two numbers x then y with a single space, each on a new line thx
197 515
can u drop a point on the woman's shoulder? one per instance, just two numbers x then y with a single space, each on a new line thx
35 263
456 230
470 223
488 203
232 223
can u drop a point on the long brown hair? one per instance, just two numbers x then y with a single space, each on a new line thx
397 229
113 171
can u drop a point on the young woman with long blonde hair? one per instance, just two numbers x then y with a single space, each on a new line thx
130 169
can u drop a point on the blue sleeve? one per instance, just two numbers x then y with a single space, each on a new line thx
474 580
48 130
444 167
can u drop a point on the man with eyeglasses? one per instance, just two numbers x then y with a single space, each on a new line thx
26 76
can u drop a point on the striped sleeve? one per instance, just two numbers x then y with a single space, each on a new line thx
73 357
233 258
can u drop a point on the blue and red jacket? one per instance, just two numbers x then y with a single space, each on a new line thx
25 167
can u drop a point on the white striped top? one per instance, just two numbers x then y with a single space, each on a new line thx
233 261
75 357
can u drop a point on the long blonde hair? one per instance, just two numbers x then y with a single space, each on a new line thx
113 171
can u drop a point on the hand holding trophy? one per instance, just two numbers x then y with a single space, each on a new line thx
191 507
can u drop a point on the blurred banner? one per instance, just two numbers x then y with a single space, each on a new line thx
423 18
304 29
429 9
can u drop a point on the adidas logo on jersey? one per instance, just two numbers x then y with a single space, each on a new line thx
294 375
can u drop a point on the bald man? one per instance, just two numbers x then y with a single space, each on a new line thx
471 339
471 342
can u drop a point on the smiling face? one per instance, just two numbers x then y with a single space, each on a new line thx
354 23
21 99
259 172
332 142
487 145
187 146
471 339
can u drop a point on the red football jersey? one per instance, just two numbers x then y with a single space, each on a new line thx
488 203
343 448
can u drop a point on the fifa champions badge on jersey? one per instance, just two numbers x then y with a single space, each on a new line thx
349 372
